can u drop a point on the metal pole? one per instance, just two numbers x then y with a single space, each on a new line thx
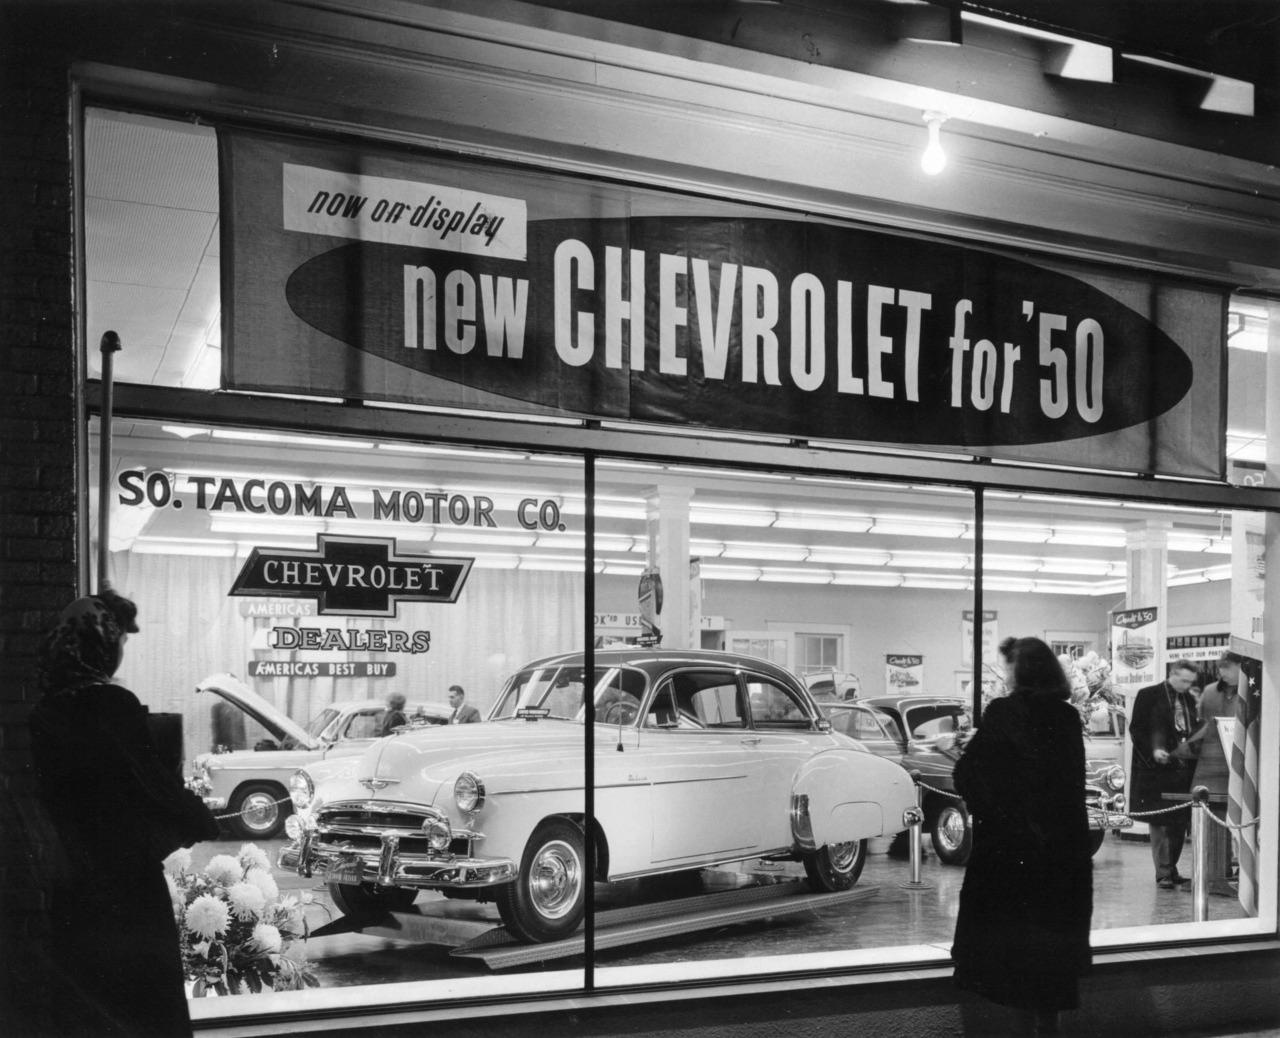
110 345
1199 874
914 817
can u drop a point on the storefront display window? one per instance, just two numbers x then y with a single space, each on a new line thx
724 623
295 593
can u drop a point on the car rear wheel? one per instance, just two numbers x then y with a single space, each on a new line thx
547 900
835 867
366 901
952 834
259 810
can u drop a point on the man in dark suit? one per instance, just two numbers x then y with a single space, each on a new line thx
1164 716
462 712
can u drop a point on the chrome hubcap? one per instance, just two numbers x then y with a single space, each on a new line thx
259 811
951 828
555 879
844 855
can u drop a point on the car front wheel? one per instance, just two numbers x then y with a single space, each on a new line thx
547 900
837 867
259 810
952 834
1096 838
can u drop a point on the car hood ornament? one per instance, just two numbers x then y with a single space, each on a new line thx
375 784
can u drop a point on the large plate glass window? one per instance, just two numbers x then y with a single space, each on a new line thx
335 623
778 619
1132 596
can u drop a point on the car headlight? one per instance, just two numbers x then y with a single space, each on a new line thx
468 792
438 833
301 789
1115 777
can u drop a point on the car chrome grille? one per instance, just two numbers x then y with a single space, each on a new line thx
360 827
365 818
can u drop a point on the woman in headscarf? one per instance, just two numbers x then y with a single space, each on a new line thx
117 811
1022 934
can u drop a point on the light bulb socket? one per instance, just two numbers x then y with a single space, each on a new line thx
934 159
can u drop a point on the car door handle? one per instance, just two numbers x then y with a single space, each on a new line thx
749 740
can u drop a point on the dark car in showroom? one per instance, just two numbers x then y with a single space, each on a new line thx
919 732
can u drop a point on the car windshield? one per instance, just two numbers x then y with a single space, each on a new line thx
861 722
558 690
933 719
320 722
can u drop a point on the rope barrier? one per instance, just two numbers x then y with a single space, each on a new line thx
1230 825
1133 815
940 792
1157 811
240 813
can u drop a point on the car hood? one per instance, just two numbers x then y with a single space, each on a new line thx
505 755
238 694
266 760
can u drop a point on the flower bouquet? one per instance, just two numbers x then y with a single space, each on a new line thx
234 927
1091 687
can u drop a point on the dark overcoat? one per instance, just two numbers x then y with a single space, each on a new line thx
1022 934
1152 726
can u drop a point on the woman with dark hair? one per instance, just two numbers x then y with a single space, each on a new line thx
1022 934
117 811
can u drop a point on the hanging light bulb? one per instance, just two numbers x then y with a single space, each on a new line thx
934 160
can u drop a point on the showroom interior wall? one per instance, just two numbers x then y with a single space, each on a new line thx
266 64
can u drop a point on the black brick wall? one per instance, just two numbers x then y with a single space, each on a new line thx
38 563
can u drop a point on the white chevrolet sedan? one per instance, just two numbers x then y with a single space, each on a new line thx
701 759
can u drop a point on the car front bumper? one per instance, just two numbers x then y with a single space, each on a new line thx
1108 813
368 842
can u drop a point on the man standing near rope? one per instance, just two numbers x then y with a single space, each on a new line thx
1164 717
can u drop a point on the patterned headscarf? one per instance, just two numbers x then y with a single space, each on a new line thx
84 647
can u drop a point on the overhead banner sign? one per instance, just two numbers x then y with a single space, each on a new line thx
367 275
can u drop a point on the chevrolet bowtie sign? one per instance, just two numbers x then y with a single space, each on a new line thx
352 576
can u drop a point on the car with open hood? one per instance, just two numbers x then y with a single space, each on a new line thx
252 786
700 759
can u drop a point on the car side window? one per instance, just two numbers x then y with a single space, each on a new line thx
364 725
663 712
707 699
773 706
845 722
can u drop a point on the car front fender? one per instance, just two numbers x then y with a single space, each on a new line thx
838 796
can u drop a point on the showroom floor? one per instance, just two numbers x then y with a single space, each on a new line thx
1125 895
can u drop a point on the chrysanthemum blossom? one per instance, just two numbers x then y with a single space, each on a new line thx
253 857
247 900
267 937
224 870
263 880
207 916
178 862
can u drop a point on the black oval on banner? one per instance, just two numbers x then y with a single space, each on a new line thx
774 326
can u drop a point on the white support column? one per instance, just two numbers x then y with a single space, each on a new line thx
667 521
1147 585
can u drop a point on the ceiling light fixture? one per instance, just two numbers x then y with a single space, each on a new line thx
934 160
